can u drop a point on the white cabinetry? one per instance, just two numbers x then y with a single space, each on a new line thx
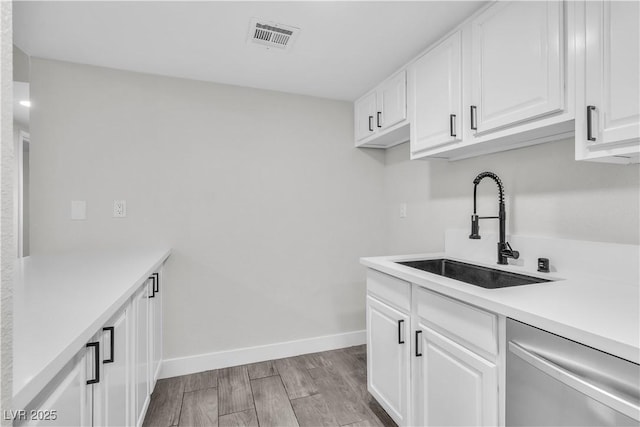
431 360
388 346
392 101
155 331
68 396
365 114
455 386
513 59
455 375
435 96
608 75
142 371
381 115
109 382
517 64
112 396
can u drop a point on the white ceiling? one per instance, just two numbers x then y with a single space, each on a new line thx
344 48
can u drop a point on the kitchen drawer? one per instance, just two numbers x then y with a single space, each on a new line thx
477 328
387 288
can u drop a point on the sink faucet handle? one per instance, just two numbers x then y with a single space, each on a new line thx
510 252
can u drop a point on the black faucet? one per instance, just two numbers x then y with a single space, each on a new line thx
504 248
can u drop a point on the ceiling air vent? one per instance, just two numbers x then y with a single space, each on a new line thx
271 34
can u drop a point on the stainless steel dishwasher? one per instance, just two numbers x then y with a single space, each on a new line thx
553 381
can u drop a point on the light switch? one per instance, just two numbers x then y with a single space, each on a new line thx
403 210
78 209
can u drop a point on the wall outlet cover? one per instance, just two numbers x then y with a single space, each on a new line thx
119 208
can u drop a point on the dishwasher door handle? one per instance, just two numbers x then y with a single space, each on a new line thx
576 382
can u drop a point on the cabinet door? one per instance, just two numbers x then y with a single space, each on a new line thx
365 116
612 71
141 344
112 394
388 358
69 397
155 330
392 101
453 386
517 67
436 96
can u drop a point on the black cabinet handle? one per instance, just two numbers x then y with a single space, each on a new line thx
157 282
96 355
472 117
418 354
370 123
112 341
153 287
452 124
590 109
400 340
378 118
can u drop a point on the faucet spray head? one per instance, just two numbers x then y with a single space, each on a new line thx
475 227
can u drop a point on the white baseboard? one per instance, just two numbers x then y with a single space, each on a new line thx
242 356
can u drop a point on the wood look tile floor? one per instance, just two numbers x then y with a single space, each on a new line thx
312 390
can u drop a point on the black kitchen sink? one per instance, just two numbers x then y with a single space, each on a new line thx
485 277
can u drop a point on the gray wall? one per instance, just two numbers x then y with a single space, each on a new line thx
261 195
266 203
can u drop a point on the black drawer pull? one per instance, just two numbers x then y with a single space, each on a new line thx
96 356
452 124
370 123
112 341
590 109
400 334
418 354
156 283
378 118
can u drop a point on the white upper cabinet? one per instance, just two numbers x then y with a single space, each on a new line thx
381 115
517 64
392 104
435 96
608 71
365 113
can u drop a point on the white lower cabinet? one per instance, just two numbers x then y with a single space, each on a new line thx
68 403
111 394
431 360
109 382
453 386
155 329
141 374
388 358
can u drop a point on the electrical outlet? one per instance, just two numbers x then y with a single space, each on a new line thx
119 208
403 210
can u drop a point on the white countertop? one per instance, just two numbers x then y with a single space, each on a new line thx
596 312
61 301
